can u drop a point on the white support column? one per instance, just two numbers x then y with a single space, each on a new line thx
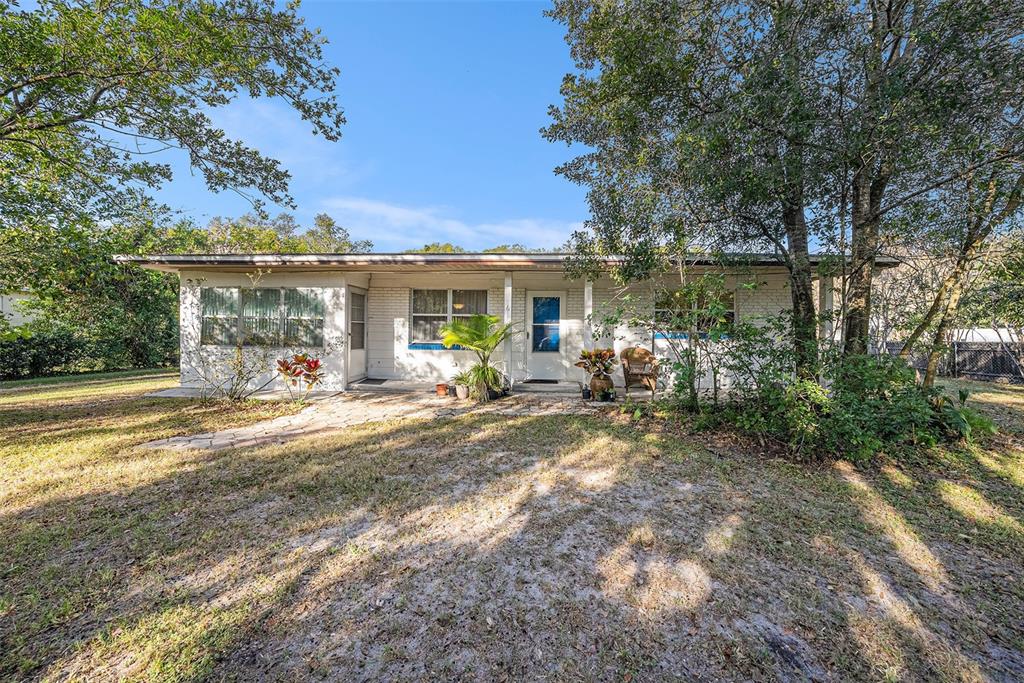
341 321
588 314
507 318
826 304
190 316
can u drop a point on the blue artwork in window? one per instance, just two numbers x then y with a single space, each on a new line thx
544 335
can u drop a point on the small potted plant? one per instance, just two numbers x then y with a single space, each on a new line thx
462 382
481 334
599 364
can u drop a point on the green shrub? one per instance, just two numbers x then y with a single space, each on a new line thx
25 353
861 406
959 420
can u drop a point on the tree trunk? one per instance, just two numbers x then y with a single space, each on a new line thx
953 280
941 333
867 200
980 227
805 322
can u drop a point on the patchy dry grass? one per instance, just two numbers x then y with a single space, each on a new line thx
484 547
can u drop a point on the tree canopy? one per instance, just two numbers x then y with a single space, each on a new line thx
91 92
724 125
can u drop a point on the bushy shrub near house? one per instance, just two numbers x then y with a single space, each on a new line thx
857 407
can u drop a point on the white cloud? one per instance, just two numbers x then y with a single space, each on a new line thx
394 228
277 131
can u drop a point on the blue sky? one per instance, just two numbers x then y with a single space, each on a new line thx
444 103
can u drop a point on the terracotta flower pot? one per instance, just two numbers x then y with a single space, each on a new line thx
442 389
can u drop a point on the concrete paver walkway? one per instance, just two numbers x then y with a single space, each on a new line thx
345 410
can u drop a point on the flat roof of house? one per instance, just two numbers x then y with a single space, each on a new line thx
383 261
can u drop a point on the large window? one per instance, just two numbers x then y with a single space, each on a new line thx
675 312
262 316
433 308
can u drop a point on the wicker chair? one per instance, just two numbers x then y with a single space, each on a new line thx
639 366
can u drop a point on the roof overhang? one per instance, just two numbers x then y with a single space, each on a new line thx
173 263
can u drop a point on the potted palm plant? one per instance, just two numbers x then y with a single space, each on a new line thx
599 364
481 334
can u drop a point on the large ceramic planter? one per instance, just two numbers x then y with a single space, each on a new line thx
599 385
462 391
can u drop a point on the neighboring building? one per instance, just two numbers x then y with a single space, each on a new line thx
11 309
377 316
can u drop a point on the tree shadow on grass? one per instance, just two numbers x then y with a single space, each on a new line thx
478 547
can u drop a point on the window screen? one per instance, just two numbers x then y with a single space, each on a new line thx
433 308
263 316
357 321
303 317
220 315
673 310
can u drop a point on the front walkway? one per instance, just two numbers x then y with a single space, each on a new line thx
345 410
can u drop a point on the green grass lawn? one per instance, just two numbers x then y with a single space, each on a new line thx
484 547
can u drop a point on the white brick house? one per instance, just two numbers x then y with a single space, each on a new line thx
375 316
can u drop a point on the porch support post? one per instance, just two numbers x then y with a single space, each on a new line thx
588 314
507 318
341 324
826 304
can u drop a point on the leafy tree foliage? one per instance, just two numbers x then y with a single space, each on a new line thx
90 90
251 234
437 248
722 125
120 316
90 94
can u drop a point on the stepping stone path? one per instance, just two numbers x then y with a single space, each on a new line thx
353 408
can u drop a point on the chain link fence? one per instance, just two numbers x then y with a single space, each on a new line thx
972 360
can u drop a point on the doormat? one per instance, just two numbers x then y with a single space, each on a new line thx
371 381
541 381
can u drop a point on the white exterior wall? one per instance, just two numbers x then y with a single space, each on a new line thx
199 360
12 311
389 318
769 298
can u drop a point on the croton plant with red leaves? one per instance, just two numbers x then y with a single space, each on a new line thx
300 371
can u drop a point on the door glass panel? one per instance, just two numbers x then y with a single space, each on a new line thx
357 321
544 335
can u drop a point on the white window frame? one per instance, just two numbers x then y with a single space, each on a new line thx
450 312
282 316
700 330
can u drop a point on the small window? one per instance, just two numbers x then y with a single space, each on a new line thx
468 302
432 309
220 315
673 312
429 314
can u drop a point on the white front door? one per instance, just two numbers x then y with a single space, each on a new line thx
545 339
356 334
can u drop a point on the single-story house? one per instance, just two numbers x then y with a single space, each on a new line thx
374 317
12 310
